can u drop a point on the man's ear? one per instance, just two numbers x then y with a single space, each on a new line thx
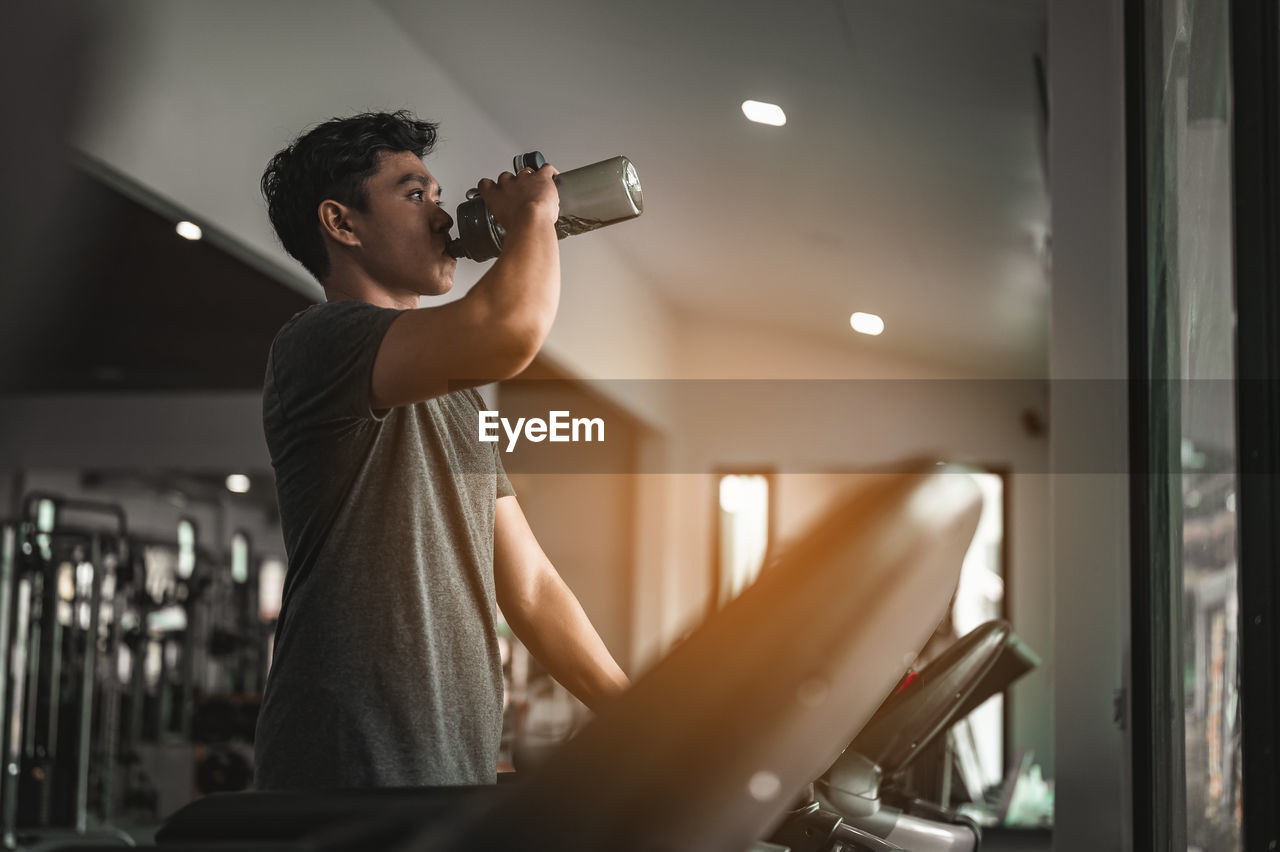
335 223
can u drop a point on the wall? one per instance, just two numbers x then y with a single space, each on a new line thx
183 430
51 438
1090 541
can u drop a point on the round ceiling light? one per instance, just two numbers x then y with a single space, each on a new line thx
866 323
764 113
189 230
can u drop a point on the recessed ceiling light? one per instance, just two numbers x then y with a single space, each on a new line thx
189 230
763 113
866 323
238 483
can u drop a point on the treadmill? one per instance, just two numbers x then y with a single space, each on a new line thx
981 664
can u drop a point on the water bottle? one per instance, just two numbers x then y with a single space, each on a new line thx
591 197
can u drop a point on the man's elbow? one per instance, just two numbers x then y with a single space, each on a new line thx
517 606
526 593
517 343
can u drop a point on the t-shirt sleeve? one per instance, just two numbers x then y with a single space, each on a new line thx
322 361
503 487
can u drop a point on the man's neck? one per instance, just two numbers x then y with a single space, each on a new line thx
355 286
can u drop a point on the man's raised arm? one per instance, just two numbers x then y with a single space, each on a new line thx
494 331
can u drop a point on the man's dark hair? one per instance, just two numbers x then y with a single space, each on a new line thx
333 160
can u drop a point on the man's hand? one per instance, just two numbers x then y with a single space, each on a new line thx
528 198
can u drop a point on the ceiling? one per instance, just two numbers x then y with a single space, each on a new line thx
909 180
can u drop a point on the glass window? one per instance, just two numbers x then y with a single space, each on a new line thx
1190 334
743 531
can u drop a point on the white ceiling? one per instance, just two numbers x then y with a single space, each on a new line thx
908 180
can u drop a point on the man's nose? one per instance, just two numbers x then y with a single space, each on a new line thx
442 221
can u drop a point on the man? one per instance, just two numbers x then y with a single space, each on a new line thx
401 528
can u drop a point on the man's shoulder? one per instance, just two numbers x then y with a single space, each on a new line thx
331 312
323 356
326 323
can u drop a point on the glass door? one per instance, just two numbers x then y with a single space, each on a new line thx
1187 719
1203 127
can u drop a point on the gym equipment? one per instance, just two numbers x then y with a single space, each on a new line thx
707 750
53 578
83 606
982 663
591 197
15 657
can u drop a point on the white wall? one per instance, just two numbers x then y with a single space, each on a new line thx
1090 514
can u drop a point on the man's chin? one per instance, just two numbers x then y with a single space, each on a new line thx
438 287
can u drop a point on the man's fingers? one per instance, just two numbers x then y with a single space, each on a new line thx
514 197
506 177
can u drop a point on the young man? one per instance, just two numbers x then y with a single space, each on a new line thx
401 528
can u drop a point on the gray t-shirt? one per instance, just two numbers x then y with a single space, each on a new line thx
386 669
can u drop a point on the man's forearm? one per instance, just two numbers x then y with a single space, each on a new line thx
553 626
522 290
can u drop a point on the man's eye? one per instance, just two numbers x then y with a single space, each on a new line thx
417 193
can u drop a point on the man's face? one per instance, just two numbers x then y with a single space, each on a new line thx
403 230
